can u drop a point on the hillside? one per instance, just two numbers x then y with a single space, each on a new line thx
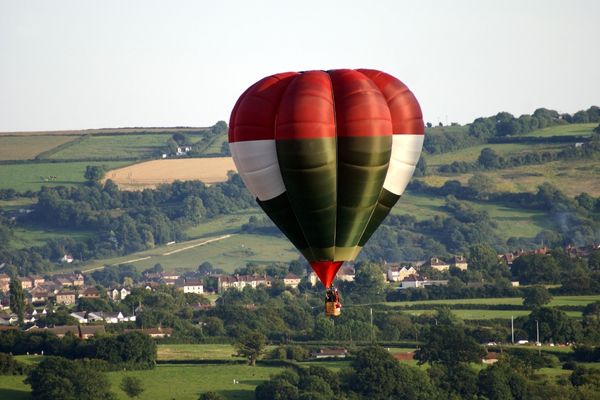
36 159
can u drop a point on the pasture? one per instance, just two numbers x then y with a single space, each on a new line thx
30 235
113 147
227 253
555 302
152 173
511 221
32 176
571 176
565 130
28 147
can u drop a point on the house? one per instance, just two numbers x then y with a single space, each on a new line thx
65 298
438 264
108 317
4 283
155 333
459 262
490 358
61 331
26 282
291 280
414 281
183 150
38 280
8 318
404 356
119 293
37 295
346 273
62 281
90 293
329 353
80 317
239 282
66 259
397 274
192 286
86 332
171 276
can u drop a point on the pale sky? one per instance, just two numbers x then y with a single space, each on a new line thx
93 64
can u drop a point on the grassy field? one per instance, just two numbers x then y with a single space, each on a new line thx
152 173
565 130
223 224
511 221
188 381
118 146
556 301
470 154
488 314
195 352
227 253
33 176
572 177
27 147
28 236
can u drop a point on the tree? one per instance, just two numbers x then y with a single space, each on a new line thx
449 345
483 257
536 268
488 159
536 296
251 346
132 386
17 299
482 185
554 326
205 268
58 378
377 375
276 390
211 396
369 283
94 173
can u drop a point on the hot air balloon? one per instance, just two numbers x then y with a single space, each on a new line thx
327 154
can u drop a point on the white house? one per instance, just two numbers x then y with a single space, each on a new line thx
291 280
397 274
196 287
79 316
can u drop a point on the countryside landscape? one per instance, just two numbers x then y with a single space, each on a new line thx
299 200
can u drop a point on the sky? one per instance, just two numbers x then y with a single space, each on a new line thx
97 64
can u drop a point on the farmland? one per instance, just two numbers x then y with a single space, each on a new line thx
28 147
153 173
227 253
32 176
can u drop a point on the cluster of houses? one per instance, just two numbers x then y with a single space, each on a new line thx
60 289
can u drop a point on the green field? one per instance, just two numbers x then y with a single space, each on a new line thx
565 130
27 147
470 154
195 352
511 221
227 254
556 301
488 314
33 176
112 147
570 176
28 235
223 224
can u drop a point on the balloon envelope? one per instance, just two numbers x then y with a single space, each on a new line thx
327 154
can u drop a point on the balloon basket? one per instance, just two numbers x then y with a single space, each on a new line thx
333 309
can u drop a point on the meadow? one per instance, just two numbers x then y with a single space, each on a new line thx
555 302
113 147
32 176
227 253
511 221
28 147
564 130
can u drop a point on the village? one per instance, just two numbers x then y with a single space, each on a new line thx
45 295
